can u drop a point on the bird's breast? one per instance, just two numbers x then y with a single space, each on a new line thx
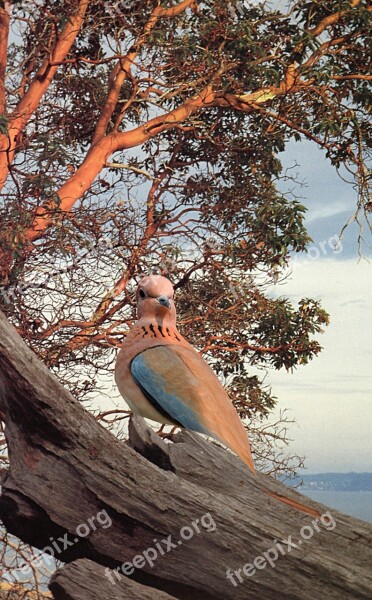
140 338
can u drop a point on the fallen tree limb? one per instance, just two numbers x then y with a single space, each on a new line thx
85 579
72 485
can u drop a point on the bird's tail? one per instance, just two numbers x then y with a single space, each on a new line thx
239 443
292 503
246 457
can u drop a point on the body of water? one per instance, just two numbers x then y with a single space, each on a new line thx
356 504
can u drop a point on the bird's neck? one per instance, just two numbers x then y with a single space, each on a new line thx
164 321
151 330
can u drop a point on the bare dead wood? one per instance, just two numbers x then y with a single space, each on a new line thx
85 579
66 468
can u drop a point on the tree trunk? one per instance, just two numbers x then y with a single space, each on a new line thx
186 512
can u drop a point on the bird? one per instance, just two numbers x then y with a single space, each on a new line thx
162 377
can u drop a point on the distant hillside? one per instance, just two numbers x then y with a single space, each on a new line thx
338 482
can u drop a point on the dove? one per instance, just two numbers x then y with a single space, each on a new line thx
163 378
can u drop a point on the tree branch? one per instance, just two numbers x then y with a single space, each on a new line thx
122 69
99 154
331 19
37 89
4 34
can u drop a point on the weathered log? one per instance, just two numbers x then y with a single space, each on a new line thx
85 579
73 485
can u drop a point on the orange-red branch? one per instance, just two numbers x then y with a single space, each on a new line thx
40 83
331 19
351 76
4 34
98 155
121 70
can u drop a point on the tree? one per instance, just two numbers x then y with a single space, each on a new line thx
139 136
207 95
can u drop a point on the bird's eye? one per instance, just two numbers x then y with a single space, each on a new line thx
142 293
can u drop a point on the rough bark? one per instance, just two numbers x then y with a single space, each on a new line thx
65 469
85 579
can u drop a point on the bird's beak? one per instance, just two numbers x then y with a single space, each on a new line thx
164 301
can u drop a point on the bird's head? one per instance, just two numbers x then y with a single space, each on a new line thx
155 300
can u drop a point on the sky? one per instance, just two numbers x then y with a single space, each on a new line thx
331 397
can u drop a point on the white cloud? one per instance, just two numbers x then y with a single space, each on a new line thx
331 397
323 212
